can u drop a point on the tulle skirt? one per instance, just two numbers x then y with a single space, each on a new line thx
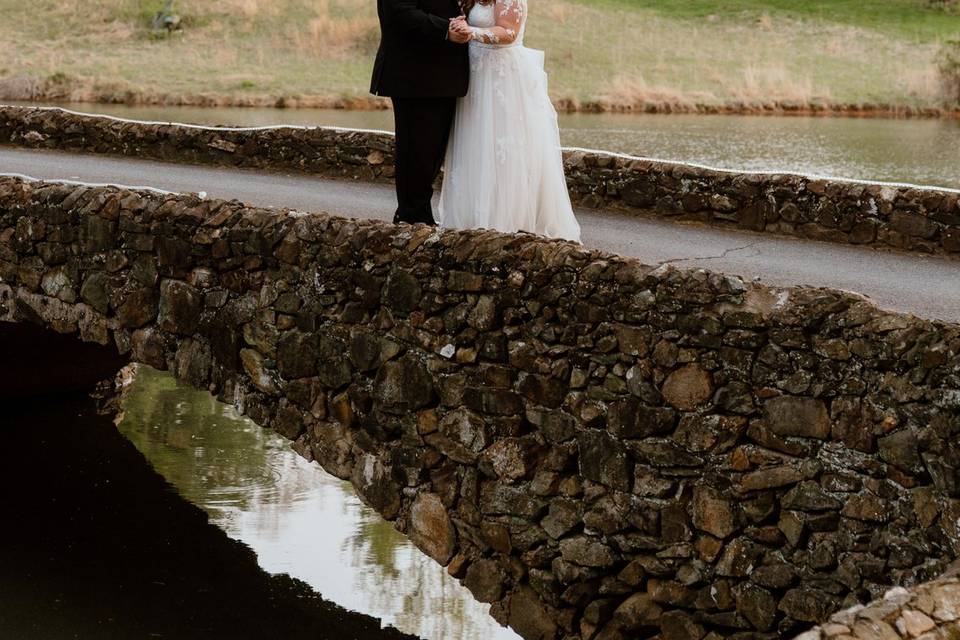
504 168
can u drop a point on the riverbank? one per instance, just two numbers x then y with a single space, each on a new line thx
98 545
747 57
56 95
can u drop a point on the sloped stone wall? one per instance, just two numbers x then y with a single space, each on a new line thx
913 219
596 448
930 611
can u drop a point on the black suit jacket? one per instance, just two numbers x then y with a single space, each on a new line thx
415 59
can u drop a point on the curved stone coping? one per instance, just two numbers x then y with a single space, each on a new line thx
599 449
80 183
930 611
186 125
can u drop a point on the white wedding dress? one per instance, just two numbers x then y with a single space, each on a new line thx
504 168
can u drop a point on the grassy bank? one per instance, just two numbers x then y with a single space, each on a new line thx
710 55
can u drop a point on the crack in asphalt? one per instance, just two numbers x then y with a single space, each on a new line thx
719 257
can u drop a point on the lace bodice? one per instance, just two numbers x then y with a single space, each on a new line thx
498 23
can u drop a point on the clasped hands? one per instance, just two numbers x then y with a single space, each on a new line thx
460 31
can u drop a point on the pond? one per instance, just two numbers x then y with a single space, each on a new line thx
897 150
99 533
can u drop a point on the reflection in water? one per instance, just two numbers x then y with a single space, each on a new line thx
918 151
95 544
297 519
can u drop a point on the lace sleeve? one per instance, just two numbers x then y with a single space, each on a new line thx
510 16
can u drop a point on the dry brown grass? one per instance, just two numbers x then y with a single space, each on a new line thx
300 52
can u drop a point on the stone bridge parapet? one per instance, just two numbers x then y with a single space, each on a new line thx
903 217
597 448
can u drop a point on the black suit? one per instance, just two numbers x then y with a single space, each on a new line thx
423 73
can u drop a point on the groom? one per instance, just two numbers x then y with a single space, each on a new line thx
423 66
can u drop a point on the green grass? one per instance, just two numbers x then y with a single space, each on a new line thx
914 19
616 52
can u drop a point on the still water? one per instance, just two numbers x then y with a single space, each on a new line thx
916 151
296 518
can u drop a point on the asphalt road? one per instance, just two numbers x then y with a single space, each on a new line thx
925 286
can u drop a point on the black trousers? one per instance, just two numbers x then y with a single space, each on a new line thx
423 130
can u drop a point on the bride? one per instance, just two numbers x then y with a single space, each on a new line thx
504 168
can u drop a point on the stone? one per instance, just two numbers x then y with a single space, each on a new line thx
638 611
796 416
509 458
484 580
564 515
874 629
705 433
808 605
808 496
757 606
740 557
901 449
868 508
630 418
678 625
914 623
688 387
712 513
771 478
402 291
499 402
587 551
663 454
262 336
556 426
262 378
334 370
634 341
375 485
774 576
289 421
542 390
297 355
913 225
148 347
57 284
330 446
94 291
528 617
180 307
603 459
466 429
137 309
403 385
501 499
484 316
433 532
369 351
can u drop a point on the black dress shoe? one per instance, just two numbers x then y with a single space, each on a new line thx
430 222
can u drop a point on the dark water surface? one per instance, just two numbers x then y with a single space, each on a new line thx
177 522
905 150
95 544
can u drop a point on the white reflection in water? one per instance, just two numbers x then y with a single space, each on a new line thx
297 518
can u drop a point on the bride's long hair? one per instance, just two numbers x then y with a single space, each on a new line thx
467 5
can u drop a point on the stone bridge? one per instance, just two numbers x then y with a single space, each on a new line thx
597 448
